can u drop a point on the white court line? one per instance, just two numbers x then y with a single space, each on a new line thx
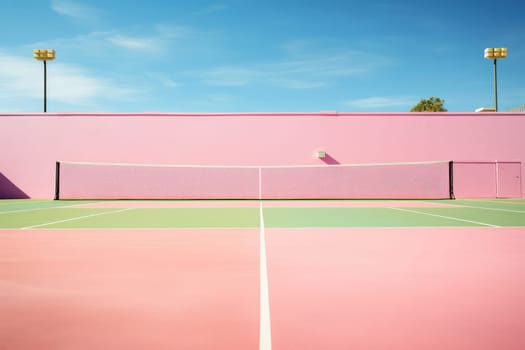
265 331
500 201
75 218
497 209
46 208
247 166
445 217
18 201
22 203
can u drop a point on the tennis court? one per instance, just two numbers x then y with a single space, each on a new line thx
261 274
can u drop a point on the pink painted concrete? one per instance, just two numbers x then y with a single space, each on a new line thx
475 180
397 289
31 143
139 289
509 180
487 179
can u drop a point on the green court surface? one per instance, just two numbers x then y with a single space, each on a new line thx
36 214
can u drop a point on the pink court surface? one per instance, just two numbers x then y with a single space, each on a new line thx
394 288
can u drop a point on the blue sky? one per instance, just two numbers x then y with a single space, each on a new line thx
268 56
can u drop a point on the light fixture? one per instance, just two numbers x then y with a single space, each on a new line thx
44 55
495 53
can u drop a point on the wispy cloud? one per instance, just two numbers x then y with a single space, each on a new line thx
382 102
293 74
215 102
164 80
297 47
173 31
161 36
21 80
213 8
231 76
307 63
156 40
134 43
75 9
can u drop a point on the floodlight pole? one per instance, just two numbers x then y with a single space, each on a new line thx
495 86
44 55
495 54
45 87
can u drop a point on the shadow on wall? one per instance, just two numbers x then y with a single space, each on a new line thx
328 159
9 190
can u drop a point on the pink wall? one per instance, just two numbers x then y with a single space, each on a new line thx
31 143
495 179
475 179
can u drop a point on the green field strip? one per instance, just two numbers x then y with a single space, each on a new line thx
489 216
352 217
168 218
43 216
28 205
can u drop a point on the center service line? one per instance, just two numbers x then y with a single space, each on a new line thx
265 331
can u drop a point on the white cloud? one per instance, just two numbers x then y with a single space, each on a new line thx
74 9
132 43
231 76
100 44
163 79
215 102
382 102
296 74
214 8
299 84
171 31
297 47
21 82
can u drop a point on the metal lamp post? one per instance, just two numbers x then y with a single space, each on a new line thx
44 55
495 53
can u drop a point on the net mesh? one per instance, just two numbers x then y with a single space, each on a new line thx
422 180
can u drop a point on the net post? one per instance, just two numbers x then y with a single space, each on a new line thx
451 179
260 183
57 181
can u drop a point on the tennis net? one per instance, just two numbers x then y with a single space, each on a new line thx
415 180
